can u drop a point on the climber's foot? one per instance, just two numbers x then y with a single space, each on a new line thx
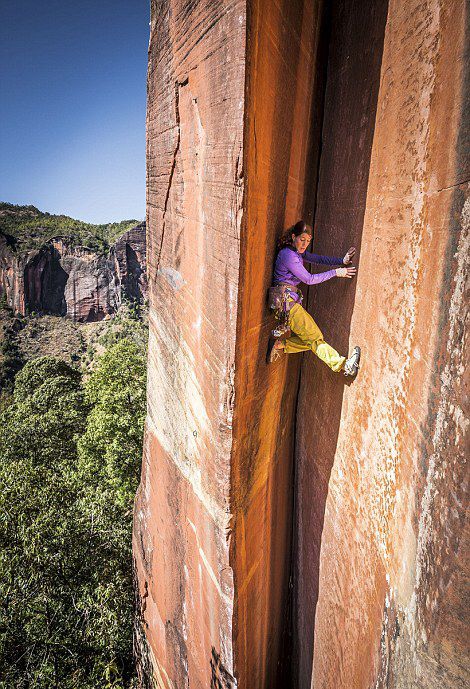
274 350
351 365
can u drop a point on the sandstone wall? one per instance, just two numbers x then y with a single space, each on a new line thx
291 530
11 274
281 143
384 458
194 195
355 46
228 129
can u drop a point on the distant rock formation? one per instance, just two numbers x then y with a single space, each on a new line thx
63 279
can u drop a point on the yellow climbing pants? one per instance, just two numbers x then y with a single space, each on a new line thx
307 335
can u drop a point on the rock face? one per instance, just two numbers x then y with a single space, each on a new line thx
130 255
382 530
195 187
292 530
68 280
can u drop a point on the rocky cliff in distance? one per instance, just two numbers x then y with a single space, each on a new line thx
292 530
64 278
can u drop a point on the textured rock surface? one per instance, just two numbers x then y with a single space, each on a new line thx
368 522
130 256
182 518
214 511
384 458
67 280
279 167
354 67
11 272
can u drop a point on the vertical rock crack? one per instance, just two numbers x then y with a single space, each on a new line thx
178 85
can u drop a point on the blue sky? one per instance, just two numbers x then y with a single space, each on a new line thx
72 106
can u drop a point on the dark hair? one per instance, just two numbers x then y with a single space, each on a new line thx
286 239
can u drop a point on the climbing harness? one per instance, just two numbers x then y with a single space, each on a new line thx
281 299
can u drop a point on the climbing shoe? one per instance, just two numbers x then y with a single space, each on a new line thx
351 365
272 353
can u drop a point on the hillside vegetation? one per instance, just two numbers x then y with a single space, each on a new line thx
30 228
70 450
23 338
72 409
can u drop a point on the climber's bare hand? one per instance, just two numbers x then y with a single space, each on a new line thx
349 272
349 256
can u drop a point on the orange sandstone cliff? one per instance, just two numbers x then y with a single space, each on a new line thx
292 530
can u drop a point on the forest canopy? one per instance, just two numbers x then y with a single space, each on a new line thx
70 452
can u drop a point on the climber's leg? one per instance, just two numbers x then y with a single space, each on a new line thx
295 344
307 335
304 331
329 355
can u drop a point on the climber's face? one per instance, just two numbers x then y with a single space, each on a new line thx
302 241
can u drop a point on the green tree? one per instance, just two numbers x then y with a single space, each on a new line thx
41 541
69 464
11 359
110 449
110 454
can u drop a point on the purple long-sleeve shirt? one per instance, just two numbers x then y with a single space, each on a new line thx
289 267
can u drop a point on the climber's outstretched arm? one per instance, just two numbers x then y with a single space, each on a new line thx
329 260
300 272
322 260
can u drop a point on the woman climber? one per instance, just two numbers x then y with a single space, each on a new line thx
286 301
